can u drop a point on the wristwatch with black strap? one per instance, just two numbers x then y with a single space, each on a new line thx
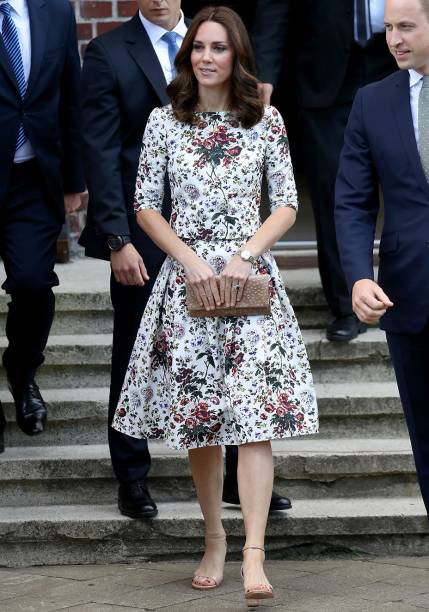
115 243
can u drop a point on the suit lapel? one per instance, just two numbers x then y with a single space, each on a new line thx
143 53
39 31
401 106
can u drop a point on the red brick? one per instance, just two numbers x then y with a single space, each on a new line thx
106 26
84 31
127 8
95 9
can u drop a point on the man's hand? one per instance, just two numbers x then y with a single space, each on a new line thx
265 92
369 301
128 266
72 202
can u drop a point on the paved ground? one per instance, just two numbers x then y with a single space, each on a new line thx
333 585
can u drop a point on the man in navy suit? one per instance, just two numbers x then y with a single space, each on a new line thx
40 162
317 54
124 77
387 142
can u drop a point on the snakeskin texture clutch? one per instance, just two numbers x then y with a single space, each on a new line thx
254 301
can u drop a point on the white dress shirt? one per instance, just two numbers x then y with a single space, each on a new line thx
160 46
374 17
416 82
21 19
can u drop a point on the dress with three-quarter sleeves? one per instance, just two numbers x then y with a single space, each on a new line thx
216 380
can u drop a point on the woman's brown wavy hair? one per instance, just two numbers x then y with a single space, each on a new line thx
244 96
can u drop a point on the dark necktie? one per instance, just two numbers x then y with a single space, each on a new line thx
362 34
11 42
171 40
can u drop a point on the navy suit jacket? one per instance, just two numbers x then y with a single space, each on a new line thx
122 82
380 147
50 108
313 41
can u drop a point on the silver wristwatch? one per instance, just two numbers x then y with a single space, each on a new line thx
247 256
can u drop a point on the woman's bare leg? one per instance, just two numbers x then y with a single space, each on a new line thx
207 472
255 476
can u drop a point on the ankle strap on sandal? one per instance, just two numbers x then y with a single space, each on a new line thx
253 548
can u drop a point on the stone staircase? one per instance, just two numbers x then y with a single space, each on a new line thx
353 486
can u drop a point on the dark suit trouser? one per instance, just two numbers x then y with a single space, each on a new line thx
130 456
410 356
321 135
29 228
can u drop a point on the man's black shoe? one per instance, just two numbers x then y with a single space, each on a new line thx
31 412
2 428
134 500
279 503
230 496
345 329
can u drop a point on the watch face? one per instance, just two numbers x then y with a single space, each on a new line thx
114 243
246 255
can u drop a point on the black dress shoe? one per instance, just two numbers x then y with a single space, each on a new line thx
345 329
279 503
2 428
31 412
230 496
134 500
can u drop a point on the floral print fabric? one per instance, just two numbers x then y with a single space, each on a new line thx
216 380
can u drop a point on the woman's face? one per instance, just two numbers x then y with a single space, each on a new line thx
212 56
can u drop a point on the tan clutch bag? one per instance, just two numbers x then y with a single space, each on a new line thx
254 301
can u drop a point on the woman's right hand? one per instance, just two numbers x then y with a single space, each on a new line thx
203 282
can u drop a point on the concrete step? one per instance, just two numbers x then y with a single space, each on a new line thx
75 416
79 416
48 535
89 310
80 360
81 313
73 360
305 469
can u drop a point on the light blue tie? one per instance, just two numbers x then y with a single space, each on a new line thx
11 42
171 40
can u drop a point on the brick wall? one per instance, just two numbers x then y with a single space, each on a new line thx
97 16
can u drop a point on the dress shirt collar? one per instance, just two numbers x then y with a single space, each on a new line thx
415 77
155 32
18 6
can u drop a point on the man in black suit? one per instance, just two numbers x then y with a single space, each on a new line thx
327 53
40 161
387 141
125 73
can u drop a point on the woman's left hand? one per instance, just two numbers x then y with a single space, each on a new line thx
232 280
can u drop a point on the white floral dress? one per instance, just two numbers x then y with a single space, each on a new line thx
215 380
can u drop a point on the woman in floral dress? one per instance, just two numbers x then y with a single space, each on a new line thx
200 383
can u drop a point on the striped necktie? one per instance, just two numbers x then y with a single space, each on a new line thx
423 125
171 39
11 42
